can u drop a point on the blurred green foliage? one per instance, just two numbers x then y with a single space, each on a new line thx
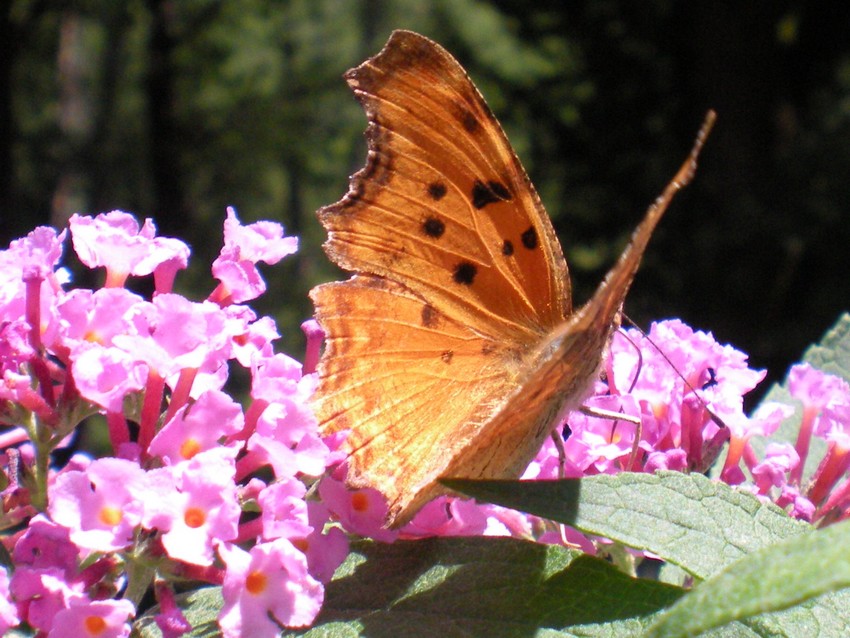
174 110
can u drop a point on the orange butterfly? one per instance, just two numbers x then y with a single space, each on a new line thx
454 349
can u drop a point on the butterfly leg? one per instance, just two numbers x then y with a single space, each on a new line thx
599 413
562 453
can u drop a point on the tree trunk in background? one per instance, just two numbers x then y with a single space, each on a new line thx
9 48
71 194
112 62
170 210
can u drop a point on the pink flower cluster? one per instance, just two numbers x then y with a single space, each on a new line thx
824 497
681 395
195 487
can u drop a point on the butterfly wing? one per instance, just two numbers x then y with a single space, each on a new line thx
458 274
443 205
413 387
453 347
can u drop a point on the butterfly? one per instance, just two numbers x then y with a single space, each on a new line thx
453 350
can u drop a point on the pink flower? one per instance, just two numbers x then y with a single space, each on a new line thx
278 376
772 471
287 438
768 417
173 333
244 246
42 593
834 423
115 241
93 619
95 317
816 388
270 580
447 516
101 506
285 432
360 511
170 619
250 339
37 254
674 459
284 510
326 546
8 612
197 427
671 415
106 375
15 349
796 503
569 537
30 283
194 504
46 544
600 445
34 257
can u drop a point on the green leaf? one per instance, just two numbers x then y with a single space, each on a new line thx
698 524
483 587
771 579
832 354
201 608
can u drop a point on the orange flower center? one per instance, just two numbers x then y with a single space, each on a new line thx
194 517
94 625
256 582
359 502
110 515
189 448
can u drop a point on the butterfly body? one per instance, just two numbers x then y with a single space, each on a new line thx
453 348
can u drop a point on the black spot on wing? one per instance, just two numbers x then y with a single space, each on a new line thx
464 273
467 119
489 193
430 317
529 238
433 227
507 248
436 191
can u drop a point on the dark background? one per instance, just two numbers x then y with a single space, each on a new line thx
174 110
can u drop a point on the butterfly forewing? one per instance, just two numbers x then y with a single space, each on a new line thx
444 207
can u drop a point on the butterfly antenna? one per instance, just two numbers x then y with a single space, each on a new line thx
717 420
608 298
688 169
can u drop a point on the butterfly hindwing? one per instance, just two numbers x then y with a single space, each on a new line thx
406 382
